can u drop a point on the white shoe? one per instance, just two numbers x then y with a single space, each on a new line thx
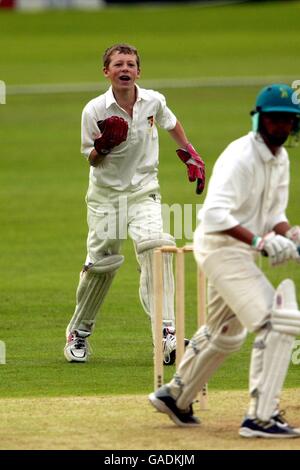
77 347
169 345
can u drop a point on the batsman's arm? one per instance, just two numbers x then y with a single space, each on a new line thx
282 228
244 235
240 233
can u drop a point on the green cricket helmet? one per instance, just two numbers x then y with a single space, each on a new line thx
278 98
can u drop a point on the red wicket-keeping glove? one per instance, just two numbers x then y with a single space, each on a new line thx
195 166
113 132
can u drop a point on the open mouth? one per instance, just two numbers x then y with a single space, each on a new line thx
124 78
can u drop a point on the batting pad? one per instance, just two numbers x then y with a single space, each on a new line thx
155 241
272 351
92 289
204 354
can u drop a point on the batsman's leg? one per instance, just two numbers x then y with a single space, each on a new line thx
251 296
205 353
269 365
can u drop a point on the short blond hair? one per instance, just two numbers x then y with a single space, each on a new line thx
121 48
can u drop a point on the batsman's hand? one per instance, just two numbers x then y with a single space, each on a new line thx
113 132
279 249
195 166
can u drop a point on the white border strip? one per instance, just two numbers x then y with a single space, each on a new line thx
214 82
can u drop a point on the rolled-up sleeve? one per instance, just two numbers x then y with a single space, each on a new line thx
89 130
164 117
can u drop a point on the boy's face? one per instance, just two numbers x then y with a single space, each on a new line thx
122 70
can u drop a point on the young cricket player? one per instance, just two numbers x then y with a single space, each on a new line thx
120 142
244 216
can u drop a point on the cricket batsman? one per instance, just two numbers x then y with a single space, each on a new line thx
120 141
244 216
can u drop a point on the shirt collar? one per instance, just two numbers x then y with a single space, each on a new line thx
264 151
141 94
110 99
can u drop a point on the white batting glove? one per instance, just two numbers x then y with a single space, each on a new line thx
279 249
294 234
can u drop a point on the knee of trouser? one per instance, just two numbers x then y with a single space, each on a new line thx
106 264
225 340
228 344
155 241
230 336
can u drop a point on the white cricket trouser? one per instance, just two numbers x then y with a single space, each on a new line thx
240 298
241 288
236 284
113 215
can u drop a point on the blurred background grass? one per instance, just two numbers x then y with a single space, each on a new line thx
43 178
181 41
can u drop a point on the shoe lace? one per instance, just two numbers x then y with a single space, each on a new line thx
190 410
169 344
264 424
80 343
280 417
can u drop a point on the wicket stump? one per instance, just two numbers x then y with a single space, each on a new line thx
179 309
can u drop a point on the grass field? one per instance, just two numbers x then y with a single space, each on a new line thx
43 178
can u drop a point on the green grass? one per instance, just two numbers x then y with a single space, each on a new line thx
259 39
43 178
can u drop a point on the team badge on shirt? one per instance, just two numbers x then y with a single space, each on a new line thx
150 120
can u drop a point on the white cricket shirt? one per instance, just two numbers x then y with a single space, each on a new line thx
133 163
248 186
